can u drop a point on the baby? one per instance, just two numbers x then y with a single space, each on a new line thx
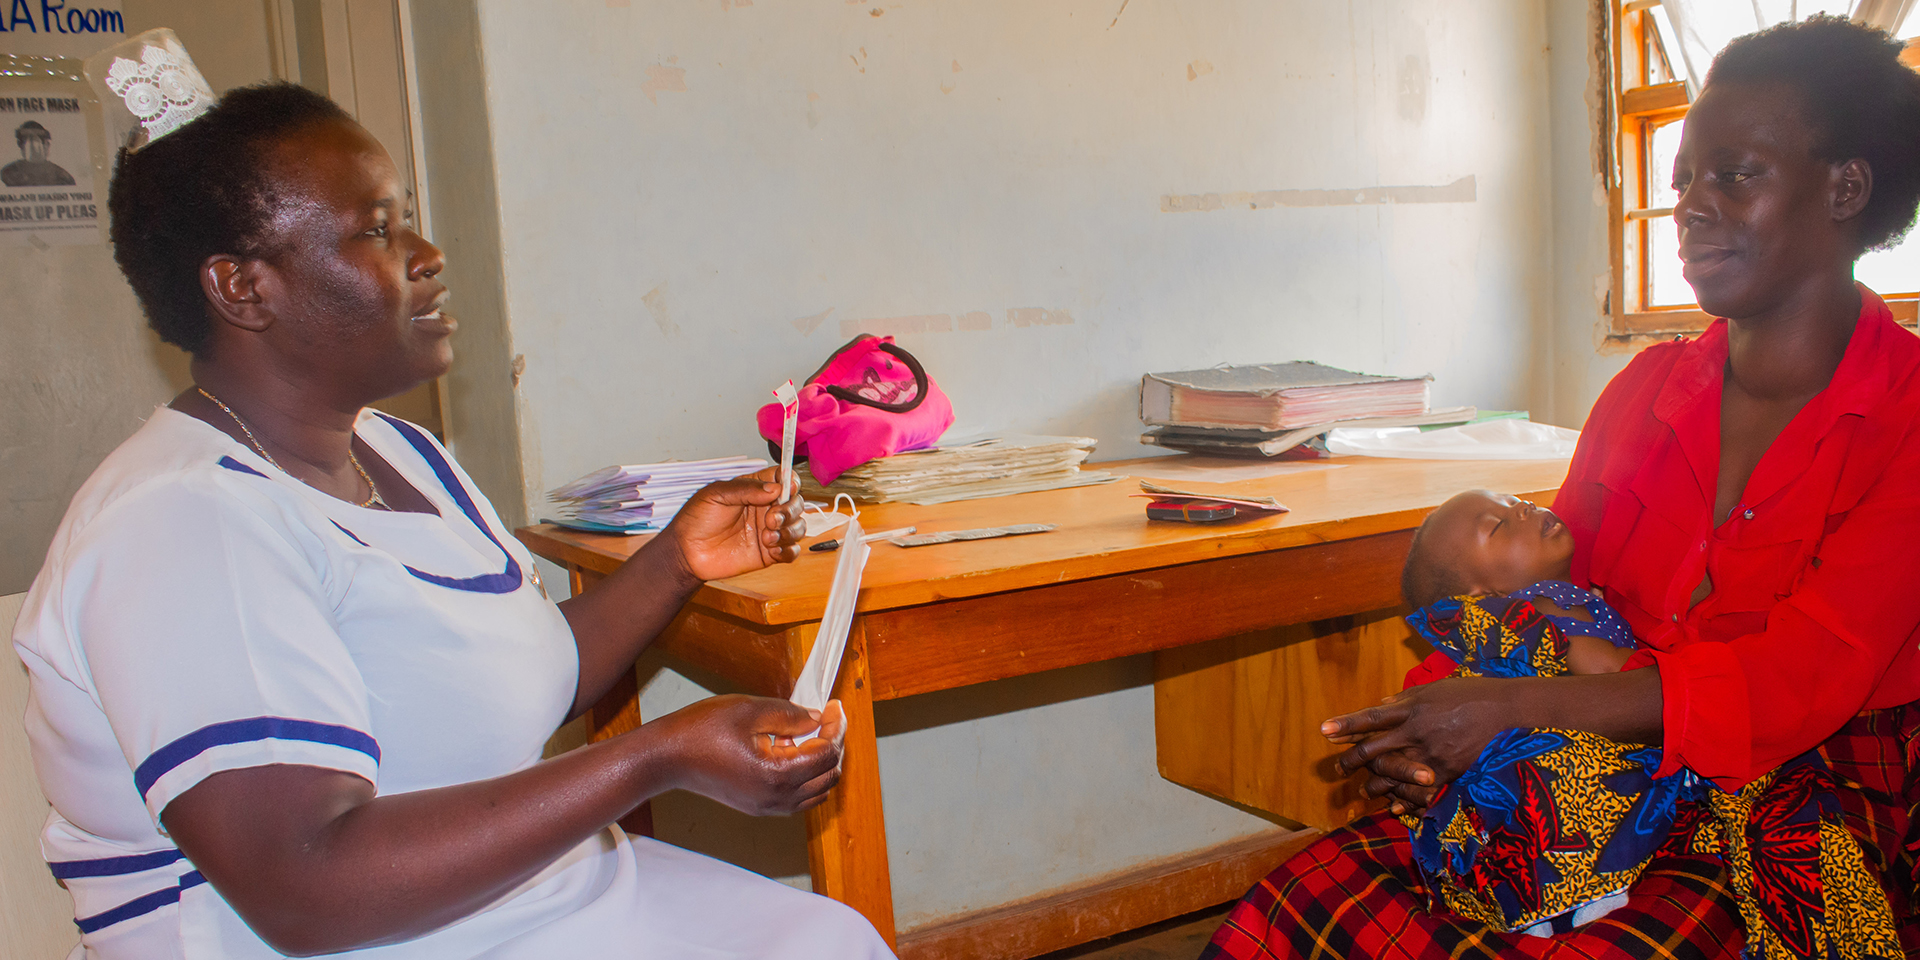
1481 543
1497 845
1548 828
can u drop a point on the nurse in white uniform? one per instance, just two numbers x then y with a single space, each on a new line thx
291 675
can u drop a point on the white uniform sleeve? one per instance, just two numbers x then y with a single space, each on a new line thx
202 613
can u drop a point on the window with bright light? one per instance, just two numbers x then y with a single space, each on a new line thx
1649 296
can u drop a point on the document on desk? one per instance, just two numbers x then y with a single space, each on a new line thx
815 686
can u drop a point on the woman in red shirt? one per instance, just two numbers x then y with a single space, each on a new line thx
1749 500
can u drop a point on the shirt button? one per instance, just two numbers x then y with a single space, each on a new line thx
1676 618
1748 514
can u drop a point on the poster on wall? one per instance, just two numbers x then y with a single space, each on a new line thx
47 183
52 144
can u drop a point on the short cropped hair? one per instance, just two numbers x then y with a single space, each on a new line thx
199 191
30 130
1428 576
1861 100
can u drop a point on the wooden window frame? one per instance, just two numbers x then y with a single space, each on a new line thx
1638 108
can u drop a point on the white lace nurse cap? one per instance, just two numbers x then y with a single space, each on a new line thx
148 88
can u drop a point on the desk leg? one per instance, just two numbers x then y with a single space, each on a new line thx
847 834
616 713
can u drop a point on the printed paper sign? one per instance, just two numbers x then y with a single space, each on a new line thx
47 189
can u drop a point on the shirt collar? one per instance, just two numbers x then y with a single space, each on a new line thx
1858 382
1689 401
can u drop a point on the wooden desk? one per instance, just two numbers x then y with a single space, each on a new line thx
1107 584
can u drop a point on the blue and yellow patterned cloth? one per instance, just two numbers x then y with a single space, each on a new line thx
1548 822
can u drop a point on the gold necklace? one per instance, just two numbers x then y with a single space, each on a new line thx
373 501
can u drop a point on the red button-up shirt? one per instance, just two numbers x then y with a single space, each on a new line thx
1815 575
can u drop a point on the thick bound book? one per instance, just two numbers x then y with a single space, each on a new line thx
1276 396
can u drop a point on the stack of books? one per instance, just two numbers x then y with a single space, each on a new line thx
1268 409
965 470
640 497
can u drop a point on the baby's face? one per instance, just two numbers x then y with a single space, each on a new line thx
1500 542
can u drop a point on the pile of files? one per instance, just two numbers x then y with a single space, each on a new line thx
966 470
1269 409
640 497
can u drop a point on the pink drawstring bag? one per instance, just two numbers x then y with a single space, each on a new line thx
870 399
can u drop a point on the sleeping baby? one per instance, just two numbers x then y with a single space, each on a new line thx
1548 828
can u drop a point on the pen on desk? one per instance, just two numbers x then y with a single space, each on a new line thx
826 545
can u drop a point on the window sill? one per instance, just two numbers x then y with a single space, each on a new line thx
1636 330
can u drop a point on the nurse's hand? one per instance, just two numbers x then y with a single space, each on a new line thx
739 750
735 526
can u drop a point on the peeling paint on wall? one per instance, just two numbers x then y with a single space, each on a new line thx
1459 191
808 325
1414 78
656 301
664 79
971 321
1198 69
894 326
1037 317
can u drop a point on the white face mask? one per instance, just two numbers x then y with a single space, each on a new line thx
820 520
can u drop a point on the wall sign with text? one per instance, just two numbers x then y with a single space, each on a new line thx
59 28
47 191
53 159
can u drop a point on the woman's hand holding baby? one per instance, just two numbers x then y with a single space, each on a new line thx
1421 739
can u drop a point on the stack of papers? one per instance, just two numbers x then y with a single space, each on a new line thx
989 467
1222 442
640 497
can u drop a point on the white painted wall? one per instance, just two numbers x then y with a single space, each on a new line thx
1574 360
698 201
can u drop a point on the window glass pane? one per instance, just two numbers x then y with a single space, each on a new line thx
1662 146
1664 57
1666 287
1892 271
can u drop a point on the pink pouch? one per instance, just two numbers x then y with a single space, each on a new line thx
870 399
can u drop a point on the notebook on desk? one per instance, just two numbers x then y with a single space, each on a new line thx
1276 396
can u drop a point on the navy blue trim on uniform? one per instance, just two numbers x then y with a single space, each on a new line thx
508 580
113 866
140 906
244 731
232 464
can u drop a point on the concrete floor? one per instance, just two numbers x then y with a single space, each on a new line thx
1180 938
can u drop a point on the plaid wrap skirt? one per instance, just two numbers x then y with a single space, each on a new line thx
1355 892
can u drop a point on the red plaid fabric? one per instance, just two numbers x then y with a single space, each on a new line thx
1356 894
